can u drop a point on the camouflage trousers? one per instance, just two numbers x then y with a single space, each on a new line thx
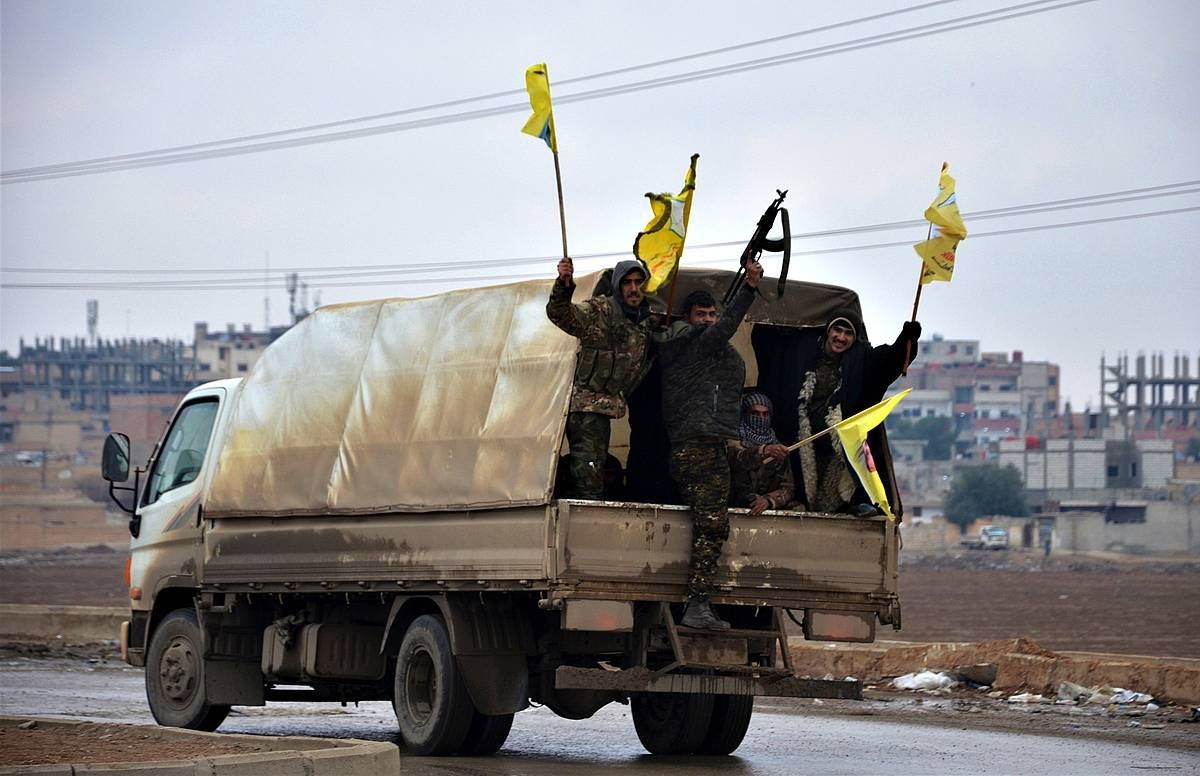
587 437
700 467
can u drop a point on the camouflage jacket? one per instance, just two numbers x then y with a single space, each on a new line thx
751 477
614 352
703 375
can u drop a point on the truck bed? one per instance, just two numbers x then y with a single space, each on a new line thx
576 549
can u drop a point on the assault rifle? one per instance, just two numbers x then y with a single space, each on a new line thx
759 243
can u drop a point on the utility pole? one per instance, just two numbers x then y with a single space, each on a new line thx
45 451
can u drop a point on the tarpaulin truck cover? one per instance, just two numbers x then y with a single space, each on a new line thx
448 402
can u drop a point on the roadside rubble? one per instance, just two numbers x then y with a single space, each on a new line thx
1078 699
964 681
1013 666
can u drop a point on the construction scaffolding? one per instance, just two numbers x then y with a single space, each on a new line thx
88 374
1151 400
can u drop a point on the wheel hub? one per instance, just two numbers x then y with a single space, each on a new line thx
178 670
420 686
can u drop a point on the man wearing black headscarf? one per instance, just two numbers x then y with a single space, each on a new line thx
819 378
762 476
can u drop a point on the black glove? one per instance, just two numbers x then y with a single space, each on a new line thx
911 331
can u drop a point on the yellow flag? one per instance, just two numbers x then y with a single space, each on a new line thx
938 252
541 123
661 244
853 433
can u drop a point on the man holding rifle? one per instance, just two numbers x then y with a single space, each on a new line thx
702 378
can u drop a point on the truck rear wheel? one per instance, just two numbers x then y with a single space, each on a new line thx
175 675
671 722
487 734
432 706
730 721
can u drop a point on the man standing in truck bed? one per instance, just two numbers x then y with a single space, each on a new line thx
702 378
613 357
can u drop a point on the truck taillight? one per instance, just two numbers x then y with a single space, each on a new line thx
128 571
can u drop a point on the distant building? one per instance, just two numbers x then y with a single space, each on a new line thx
991 396
230 353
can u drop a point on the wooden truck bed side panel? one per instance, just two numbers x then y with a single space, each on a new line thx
611 550
508 544
580 549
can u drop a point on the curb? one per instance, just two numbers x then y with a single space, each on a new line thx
1019 664
325 757
69 623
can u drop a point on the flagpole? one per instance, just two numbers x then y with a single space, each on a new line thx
916 304
562 213
806 440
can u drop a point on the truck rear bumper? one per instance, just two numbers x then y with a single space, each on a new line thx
645 680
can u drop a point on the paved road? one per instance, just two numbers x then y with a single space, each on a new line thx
854 738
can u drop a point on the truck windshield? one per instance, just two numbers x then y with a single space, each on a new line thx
182 454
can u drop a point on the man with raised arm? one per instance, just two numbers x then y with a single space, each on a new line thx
703 376
613 358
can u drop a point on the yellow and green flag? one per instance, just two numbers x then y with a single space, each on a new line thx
938 252
661 244
853 433
541 123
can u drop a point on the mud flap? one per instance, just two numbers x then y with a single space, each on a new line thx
497 684
233 683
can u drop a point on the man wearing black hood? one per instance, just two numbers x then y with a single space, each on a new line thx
613 358
819 378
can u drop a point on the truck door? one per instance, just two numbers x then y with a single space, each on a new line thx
164 551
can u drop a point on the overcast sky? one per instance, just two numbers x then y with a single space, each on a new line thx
1071 102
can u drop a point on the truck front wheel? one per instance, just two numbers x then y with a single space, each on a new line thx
669 722
175 675
432 706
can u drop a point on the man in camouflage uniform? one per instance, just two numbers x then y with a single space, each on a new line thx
613 357
702 377
762 474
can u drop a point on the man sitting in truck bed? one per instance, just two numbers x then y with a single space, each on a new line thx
762 474
702 379
613 358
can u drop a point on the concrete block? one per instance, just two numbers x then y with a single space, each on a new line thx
366 759
160 768
1036 673
72 623
46 770
1181 685
285 763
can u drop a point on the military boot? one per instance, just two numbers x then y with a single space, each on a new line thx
699 614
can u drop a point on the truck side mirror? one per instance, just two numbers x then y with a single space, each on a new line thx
114 462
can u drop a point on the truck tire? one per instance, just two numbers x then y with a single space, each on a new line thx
486 734
431 702
730 721
671 722
175 675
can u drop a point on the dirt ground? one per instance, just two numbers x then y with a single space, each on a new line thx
103 743
1131 605
1128 606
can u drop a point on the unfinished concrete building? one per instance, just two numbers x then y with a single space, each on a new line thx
87 375
1142 398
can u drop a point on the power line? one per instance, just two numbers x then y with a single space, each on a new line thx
184 285
477 98
963 22
1090 200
